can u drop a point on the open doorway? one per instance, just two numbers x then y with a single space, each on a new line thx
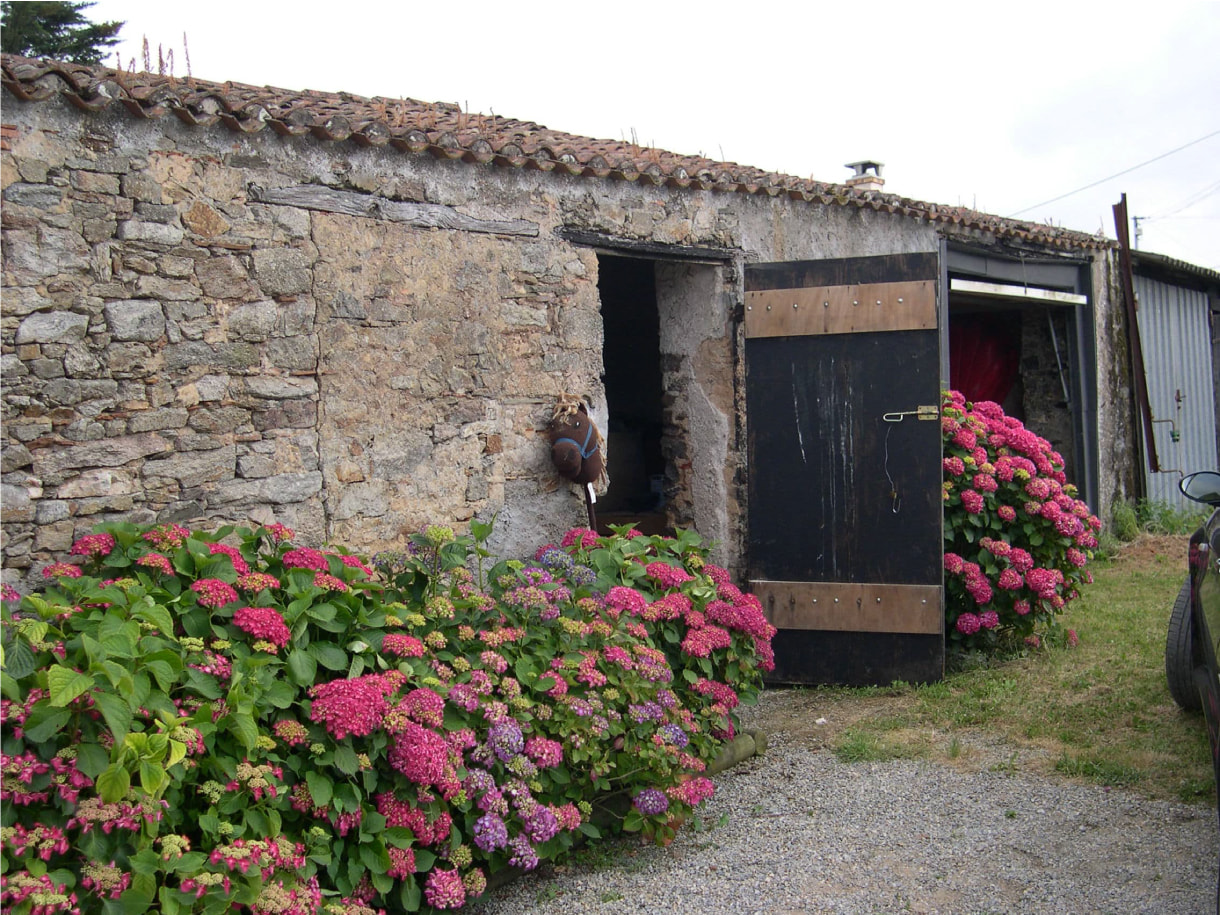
634 395
1019 334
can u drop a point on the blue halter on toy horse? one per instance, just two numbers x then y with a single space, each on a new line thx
577 448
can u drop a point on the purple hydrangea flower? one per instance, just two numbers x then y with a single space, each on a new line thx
505 740
673 734
646 711
490 832
651 802
522 854
542 825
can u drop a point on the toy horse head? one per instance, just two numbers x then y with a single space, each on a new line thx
577 448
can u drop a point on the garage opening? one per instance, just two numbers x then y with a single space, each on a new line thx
1020 335
634 396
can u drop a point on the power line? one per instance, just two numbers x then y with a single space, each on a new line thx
1125 171
1196 197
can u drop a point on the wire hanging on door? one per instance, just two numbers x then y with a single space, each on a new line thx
895 499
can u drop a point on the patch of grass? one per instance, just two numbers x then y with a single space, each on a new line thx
1101 771
1100 711
863 745
1163 518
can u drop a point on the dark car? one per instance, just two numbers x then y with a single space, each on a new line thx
1194 626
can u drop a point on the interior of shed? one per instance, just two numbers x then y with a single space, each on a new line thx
634 395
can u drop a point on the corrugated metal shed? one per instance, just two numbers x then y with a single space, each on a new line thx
1176 337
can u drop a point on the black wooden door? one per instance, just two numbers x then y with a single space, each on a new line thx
845 513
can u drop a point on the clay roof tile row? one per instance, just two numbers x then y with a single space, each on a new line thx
445 131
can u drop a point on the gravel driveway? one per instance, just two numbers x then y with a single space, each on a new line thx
805 833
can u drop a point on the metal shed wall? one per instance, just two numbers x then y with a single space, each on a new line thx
1173 326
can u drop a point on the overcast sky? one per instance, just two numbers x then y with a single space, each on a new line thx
997 107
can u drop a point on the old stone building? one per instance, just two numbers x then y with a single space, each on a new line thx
354 316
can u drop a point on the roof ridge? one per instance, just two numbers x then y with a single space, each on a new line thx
445 131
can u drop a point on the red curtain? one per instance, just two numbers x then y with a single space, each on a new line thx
984 356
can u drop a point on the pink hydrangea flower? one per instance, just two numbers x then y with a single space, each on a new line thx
305 558
213 592
94 546
402 645
968 623
356 706
444 889
61 570
1010 580
667 576
253 582
972 501
581 537
156 561
239 563
329 582
167 536
263 623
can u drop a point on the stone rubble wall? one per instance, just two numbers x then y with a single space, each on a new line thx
174 348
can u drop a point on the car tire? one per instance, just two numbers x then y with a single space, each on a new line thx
1179 654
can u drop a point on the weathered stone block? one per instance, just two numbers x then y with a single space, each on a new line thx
127 359
160 287
157 420
51 510
255 466
281 271
195 468
95 183
157 212
112 452
66 392
218 419
294 414
16 503
192 354
47 368
172 265
224 278
142 186
253 322
153 233
53 327
135 319
56 537
12 368
293 353
281 387
14 457
203 220
362 499
37 196
99 482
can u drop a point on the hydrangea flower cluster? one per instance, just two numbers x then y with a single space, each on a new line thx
1017 537
344 706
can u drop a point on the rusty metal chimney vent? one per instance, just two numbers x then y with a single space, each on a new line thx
867 175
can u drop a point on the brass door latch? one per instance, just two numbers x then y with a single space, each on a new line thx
932 412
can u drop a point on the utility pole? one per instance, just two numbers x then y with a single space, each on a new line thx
1138 230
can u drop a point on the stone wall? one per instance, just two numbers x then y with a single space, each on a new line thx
202 326
192 334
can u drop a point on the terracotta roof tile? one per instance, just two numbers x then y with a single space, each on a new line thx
447 132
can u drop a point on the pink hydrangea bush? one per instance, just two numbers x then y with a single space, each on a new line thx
1017 537
199 722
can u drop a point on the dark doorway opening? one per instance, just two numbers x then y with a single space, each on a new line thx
631 357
